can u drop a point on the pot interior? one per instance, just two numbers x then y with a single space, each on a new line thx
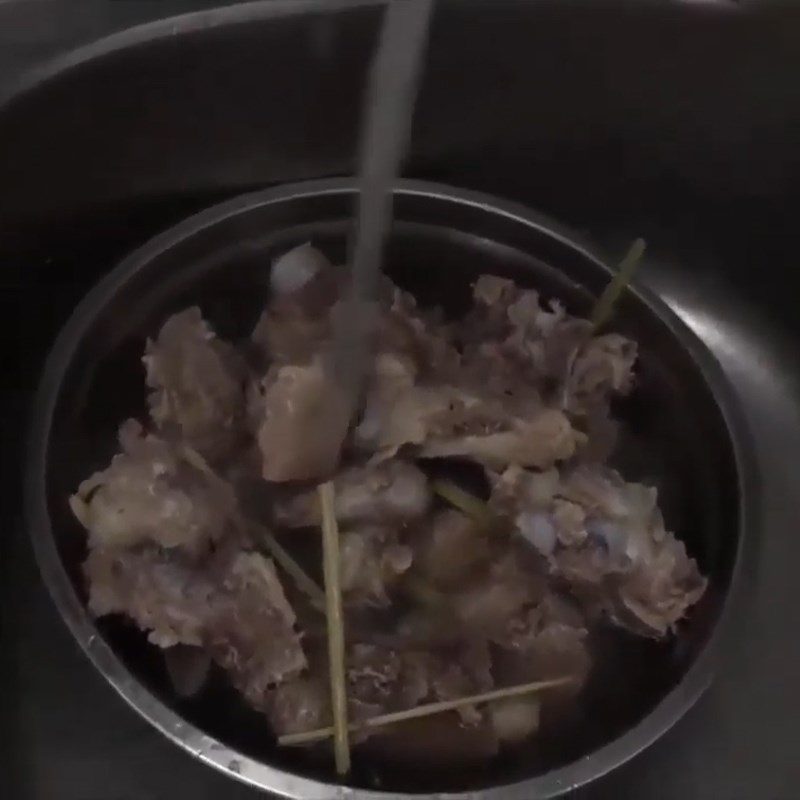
676 437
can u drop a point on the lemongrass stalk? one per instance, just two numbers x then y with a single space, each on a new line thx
287 563
465 502
426 710
604 307
333 602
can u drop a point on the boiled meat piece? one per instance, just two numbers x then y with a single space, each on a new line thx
599 368
539 442
382 679
233 606
152 492
482 405
297 411
576 369
398 411
385 493
372 562
305 419
512 581
299 705
419 335
296 321
448 549
545 641
607 539
447 420
197 384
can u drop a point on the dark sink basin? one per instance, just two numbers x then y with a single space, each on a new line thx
671 120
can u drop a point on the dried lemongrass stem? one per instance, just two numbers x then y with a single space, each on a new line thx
604 306
333 598
465 502
427 710
261 535
303 582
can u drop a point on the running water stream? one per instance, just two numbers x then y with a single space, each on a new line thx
386 127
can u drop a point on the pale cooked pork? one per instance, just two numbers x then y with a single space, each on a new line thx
152 492
606 538
197 384
231 604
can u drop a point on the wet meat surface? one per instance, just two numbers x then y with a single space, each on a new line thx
441 602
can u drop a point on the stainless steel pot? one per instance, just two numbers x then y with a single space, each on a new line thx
682 419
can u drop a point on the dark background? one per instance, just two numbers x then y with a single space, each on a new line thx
677 121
